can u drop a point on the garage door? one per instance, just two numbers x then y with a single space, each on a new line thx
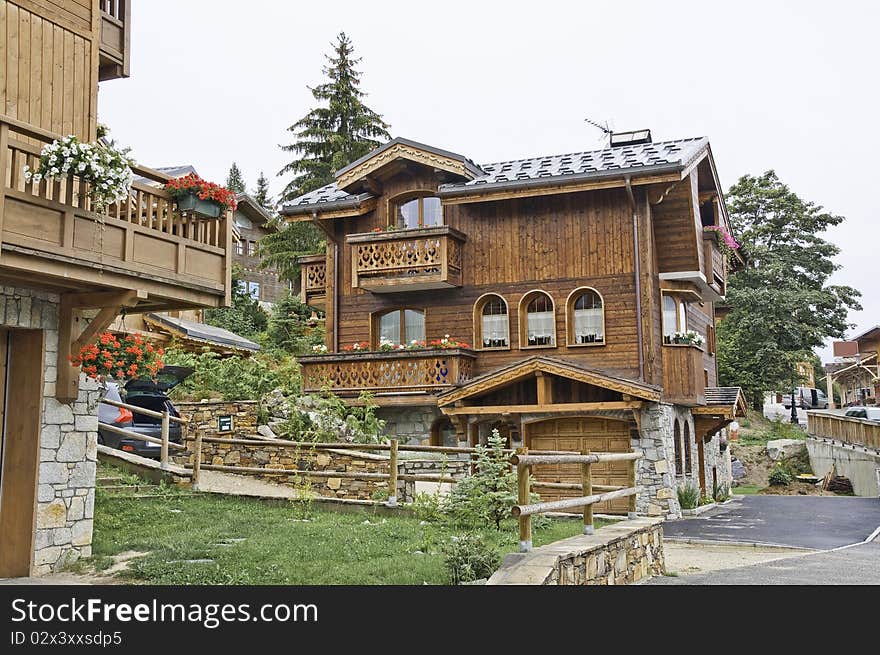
574 434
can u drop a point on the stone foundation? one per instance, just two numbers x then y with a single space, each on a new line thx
68 441
409 425
620 553
207 412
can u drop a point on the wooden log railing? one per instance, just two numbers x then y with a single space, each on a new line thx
166 417
404 370
846 429
404 260
524 509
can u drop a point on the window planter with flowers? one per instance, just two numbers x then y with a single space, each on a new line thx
725 240
199 197
386 346
120 358
689 338
106 169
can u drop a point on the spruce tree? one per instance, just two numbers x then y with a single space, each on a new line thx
235 180
261 193
337 132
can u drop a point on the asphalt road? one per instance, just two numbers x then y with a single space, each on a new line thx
851 566
814 522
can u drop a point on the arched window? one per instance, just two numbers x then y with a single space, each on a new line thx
585 318
676 441
537 320
421 211
674 317
687 447
491 322
400 327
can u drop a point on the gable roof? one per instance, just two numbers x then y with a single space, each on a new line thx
517 371
641 159
468 165
254 209
202 333
729 399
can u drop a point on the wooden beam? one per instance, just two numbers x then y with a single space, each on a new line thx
545 388
100 299
539 409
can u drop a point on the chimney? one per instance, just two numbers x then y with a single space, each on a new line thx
634 138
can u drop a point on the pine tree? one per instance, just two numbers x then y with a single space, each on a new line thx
235 180
261 193
336 133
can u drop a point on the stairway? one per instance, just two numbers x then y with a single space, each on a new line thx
116 483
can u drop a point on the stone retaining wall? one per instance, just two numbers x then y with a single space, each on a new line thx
207 412
267 455
620 553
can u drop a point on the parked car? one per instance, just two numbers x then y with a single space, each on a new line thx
806 398
867 413
149 395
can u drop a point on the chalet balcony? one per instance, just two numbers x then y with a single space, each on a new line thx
399 373
683 379
714 265
407 260
50 234
313 271
115 49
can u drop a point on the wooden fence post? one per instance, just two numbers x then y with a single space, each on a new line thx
197 459
392 475
523 492
631 509
587 490
166 426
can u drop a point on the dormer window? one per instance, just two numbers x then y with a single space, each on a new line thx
423 211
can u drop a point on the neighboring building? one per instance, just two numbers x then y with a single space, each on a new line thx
858 375
570 275
66 272
253 222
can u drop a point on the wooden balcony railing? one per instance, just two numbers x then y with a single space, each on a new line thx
381 372
313 271
855 431
53 228
115 47
407 260
683 379
714 265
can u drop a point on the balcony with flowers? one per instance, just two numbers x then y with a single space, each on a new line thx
415 368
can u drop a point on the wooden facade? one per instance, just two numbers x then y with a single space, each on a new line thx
631 240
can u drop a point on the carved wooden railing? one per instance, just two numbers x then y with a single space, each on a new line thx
115 47
855 431
406 260
380 372
144 234
313 271
683 378
714 264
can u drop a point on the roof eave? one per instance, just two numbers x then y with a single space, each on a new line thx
333 205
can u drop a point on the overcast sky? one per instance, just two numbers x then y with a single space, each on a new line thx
785 85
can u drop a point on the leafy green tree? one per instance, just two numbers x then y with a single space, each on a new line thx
336 133
235 180
781 303
261 193
244 316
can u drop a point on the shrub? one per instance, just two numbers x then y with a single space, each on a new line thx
468 558
688 495
721 492
325 418
488 495
779 476
428 506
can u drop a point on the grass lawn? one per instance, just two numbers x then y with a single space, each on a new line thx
746 489
250 541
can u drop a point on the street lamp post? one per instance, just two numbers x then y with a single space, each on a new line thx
794 418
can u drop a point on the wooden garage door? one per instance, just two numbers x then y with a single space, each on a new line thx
574 434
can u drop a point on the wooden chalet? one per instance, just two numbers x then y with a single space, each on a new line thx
66 271
563 285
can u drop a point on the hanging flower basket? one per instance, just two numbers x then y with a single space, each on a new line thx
203 199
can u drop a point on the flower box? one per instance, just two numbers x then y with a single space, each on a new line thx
190 203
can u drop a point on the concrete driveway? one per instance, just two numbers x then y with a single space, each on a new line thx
812 522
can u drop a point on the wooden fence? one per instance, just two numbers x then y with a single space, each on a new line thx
855 431
163 442
524 510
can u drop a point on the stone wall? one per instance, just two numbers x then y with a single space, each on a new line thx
267 455
409 425
718 462
68 441
620 553
859 464
206 413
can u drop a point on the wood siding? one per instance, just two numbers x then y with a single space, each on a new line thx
49 71
675 220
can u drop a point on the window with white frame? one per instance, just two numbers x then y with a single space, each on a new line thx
586 318
492 325
539 320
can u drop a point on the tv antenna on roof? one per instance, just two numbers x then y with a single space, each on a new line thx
601 126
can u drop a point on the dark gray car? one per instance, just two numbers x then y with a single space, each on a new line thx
149 395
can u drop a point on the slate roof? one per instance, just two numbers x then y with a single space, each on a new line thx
726 396
608 162
203 332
